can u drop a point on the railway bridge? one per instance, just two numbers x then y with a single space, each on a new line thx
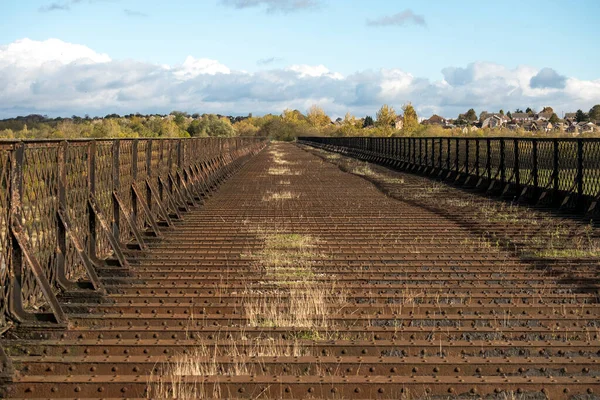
235 268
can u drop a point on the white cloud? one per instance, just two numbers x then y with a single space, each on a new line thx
193 67
26 53
314 71
57 78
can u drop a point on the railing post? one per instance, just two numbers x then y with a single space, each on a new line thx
448 145
149 172
440 154
92 191
457 159
180 159
502 160
555 172
488 162
414 151
116 175
579 171
15 199
517 166
61 234
467 143
134 173
477 154
534 169
420 152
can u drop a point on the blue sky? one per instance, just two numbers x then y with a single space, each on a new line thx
421 39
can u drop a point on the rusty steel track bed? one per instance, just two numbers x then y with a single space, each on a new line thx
404 302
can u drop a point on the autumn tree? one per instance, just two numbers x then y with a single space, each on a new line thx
547 110
410 119
386 117
317 117
246 127
350 126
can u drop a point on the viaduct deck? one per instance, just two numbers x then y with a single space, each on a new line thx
298 280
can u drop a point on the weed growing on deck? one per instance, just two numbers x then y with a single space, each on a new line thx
280 196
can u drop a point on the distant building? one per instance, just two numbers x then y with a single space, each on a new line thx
570 117
587 127
522 117
435 120
494 121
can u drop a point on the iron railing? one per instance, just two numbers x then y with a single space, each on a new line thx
68 207
559 172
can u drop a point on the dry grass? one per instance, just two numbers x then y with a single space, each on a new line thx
230 358
280 196
298 300
364 169
283 171
293 298
305 306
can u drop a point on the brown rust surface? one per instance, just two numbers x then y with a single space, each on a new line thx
418 304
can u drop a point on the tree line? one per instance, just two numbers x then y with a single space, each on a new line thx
286 126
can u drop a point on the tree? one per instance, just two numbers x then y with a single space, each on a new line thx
368 121
529 111
292 116
246 127
594 114
547 110
553 118
580 116
211 125
518 111
386 116
509 115
502 112
471 115
411 119
350 126
317 117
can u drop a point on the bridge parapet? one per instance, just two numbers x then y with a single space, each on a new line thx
67 206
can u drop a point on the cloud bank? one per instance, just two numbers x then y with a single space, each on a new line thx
58 78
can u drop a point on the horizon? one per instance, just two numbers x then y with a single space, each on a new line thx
235 57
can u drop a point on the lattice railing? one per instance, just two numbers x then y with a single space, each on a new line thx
563 172
68 206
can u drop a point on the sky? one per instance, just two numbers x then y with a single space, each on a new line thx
65 57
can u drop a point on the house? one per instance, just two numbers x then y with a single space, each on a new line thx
494 121
544 126
485 115
570 117
538 126
544 116
435 120
587 127
399 124
522 117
